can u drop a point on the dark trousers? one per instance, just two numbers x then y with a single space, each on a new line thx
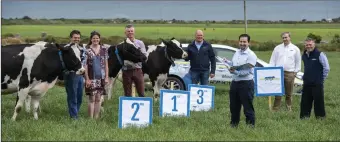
312 93
136 76
201 77
242 93
74 85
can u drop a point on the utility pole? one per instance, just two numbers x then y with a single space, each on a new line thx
245 15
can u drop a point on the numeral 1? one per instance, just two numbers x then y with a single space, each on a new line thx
175 102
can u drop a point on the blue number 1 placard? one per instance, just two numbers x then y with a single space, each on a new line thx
174 103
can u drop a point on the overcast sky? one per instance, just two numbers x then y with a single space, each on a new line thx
182 10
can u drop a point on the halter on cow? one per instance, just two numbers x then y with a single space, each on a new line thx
160 58
32 69
159 61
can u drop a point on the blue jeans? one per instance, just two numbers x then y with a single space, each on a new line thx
74 85
200 76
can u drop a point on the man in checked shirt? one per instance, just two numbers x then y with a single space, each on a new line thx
288 56
316 69
74 84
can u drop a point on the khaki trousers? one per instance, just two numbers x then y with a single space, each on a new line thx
289 85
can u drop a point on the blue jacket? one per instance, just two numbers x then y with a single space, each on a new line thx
200 60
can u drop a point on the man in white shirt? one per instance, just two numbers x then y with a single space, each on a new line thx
242 86
288 56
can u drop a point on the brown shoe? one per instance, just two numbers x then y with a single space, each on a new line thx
289 108
275 109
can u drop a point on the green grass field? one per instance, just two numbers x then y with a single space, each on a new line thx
54 123
258 32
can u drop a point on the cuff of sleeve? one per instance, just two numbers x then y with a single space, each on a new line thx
236 72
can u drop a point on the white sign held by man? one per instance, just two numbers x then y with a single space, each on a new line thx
269 81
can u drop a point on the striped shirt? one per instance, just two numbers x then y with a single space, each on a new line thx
131 65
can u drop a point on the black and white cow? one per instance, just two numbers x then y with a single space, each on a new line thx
32 69
117 54
157 66
160 59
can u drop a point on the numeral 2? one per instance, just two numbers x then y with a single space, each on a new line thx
133 118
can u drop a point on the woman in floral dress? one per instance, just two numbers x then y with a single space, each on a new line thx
96 74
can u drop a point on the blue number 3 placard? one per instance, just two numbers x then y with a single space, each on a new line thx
201 97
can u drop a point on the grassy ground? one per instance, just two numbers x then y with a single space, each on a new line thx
54 123
258 32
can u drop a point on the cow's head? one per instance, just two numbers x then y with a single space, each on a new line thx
71 57
174 49
128 51
125 50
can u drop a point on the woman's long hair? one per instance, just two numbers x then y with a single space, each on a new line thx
93 34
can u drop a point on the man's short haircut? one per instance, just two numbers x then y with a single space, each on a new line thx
74 32
128 26
244 35
285 33
309 39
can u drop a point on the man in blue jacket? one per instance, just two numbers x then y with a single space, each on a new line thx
316 69
201 56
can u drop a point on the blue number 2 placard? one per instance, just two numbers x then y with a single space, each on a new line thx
134 111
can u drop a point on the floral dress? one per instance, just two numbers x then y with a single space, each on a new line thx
96 70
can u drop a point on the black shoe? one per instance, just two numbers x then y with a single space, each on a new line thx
304 117
320 117
233 125
251 125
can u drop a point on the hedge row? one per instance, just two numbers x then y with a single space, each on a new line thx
112 40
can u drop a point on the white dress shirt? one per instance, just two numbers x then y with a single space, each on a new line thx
242 57
287 57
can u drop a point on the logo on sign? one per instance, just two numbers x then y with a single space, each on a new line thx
269 78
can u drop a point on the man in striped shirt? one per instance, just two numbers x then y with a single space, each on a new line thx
288 56
132 72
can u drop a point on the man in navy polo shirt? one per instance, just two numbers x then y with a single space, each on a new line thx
316 69
201 56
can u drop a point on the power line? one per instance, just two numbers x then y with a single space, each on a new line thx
245 16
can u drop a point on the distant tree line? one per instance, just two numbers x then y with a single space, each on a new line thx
333 45
26 20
